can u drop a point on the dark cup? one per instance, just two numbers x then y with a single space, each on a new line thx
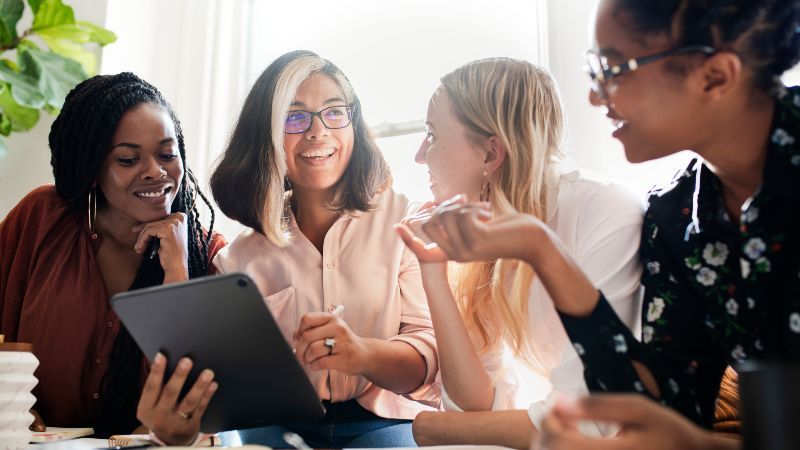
770 405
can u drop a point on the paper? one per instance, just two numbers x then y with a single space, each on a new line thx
52 434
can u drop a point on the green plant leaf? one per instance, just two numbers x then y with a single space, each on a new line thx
97 33
51 13
10 12
22 118
5 125
35 5
65 40
24 88
55 75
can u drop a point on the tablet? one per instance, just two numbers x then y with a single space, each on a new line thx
223 324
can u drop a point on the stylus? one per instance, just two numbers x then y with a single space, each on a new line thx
295 441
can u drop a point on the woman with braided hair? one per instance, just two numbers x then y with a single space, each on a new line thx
720 244
121 183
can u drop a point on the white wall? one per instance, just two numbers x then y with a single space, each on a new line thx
27 163
589 131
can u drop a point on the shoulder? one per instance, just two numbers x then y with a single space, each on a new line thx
669 200
390 205
39 204
246 246
588 200
215 244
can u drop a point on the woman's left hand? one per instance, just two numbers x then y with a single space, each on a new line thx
467 231
173 252
174 421
349 354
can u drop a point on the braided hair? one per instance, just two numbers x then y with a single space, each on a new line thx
80 140
765 34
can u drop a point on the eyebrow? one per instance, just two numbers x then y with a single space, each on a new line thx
609 52
330 100
162 142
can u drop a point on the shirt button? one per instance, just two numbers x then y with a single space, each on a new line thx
331 308
330 265
98 361
110 324
95 396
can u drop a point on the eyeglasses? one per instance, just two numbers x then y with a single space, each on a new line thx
601 72
333 118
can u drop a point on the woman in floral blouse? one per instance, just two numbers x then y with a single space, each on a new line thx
720 242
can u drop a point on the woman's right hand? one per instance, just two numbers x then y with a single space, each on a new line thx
38 424
173 253
410 230
172 421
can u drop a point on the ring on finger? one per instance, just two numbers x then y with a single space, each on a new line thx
330 343
186 416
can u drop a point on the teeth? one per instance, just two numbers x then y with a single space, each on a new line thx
152 194
324 153
619 123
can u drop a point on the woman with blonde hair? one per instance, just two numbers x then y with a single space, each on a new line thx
494 135
303 172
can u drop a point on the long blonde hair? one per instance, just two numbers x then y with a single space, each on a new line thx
517 102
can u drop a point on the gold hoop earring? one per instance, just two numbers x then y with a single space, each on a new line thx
485 188
92 212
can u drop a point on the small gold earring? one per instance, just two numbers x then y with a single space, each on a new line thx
485 188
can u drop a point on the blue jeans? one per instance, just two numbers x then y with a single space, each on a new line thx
346 424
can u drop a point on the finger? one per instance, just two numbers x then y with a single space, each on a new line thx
151 230
202 405
302 339
192 399
449 220
317 350
629 410
332 329
335 361
171 391
313 320
471 229
38 424
154 381
423 251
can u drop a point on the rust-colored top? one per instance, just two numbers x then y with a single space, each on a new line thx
52 295
15 347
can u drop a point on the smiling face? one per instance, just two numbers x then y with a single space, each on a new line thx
317 158
455 162
143 171
651 108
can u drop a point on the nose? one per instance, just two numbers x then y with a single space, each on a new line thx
595 98
153 169
420 157
317 129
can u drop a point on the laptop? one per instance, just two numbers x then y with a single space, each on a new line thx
222 323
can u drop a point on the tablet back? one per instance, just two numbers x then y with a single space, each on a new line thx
222 323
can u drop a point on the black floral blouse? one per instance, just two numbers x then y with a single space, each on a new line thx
715 293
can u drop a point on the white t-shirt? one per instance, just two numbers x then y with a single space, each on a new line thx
599 224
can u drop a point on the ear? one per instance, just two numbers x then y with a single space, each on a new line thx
495 155
719 74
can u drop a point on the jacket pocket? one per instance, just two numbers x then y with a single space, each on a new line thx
283 307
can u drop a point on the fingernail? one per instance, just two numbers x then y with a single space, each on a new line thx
207 375
185 363
213 386
159 359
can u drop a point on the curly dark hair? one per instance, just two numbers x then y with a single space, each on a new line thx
80 140
765 34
